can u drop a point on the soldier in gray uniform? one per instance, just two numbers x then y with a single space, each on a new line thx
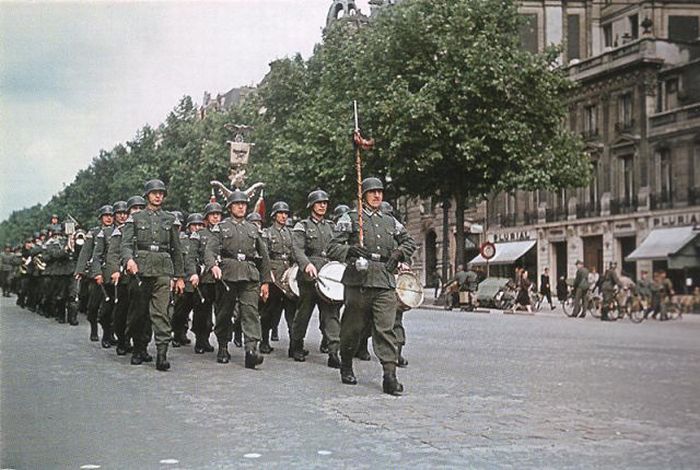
237 257
610 281
580 289
279 246
202 315
185 303
370 295
7 270
84 264
150 250
310 239
62 261
114 271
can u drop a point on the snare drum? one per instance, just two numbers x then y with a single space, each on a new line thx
409 291
328 282
289 284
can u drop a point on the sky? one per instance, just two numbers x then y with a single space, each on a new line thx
77 77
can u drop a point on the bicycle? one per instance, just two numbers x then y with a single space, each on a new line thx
591 304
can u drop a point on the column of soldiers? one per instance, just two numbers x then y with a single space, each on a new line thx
139 275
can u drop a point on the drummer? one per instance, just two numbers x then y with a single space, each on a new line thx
278 238
310 238
369 281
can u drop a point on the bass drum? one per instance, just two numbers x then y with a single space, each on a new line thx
409 291
328 282
289 284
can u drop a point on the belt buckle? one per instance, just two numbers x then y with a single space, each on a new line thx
154 248
323 254
240 257
283 256
376 257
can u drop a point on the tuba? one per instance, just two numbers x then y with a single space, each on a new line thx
39 262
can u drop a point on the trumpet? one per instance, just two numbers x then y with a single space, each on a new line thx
76 239
25 263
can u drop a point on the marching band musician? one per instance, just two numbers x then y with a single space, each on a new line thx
61 261
369 281
310 239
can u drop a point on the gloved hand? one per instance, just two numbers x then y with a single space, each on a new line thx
394 259
358 252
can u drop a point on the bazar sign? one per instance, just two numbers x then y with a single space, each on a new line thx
676 220
512 236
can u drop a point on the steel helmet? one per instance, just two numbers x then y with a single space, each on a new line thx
340 210
106 210
253 217
120 206
236 196
135 201
318 195
154 185
213 207
195 218
371 183
179 217
279 206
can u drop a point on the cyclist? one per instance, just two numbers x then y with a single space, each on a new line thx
610 281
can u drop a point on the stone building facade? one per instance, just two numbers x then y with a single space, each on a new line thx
637 108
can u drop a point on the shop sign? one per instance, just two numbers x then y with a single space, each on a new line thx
676 220
512 236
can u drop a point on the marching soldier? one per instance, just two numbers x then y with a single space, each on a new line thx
62 262
202 279
150 250
610 281
237 257
24 270
121 281
310 239
279 245
82 269
580 289
370 283
36 281
184 304
7 270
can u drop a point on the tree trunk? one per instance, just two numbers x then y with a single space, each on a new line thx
445 239
459 232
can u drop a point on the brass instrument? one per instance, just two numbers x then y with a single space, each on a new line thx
24 264
75 239
39 262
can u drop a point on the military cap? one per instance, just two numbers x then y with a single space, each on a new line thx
154 185
371 183
279 206
318 195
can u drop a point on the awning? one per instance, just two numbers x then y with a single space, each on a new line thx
506 253
662 243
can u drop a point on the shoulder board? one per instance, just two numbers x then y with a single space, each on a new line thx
299 227
194 236
101 234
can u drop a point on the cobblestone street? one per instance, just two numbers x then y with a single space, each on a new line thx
482 390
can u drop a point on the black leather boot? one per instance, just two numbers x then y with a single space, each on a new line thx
223 357
136 357
265 347
73 315
391 384
274 335
298 351
252 359
323 348
402 360
198 346
238 339
93 332
347 375
334 360
162 363
106 343
145 356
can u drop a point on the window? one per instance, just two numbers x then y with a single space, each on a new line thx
624 108
607 35
590 121
627 190
683 28
573 37
593 188
528 33
660 104
671 95
666 174
634 26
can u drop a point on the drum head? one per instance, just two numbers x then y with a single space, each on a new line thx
291 275
409 290
329 284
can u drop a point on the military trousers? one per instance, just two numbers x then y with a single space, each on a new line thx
5 280
148 311
244 295
121 309
23 290
271 312
95 297
375 307
202 311
106 311
181 315
329 316
59 295
579 298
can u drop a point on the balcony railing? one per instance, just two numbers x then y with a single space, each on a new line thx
590 134
661 200
509 220
556 215
531 218
627 126
694 196
685 113
623 205
591 209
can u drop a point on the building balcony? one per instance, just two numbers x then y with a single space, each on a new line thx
531 218
623 205
661 200
622 127
670 121
509 220
589 134
556 215
587 210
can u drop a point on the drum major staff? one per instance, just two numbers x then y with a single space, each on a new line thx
370 292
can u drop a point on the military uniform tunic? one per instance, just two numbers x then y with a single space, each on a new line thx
194 264
370 295
97 268
151 239
279 246
238 249
310 239
62 263
580 290
184 303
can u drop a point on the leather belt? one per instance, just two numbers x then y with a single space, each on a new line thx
152 248
236 256
282 257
